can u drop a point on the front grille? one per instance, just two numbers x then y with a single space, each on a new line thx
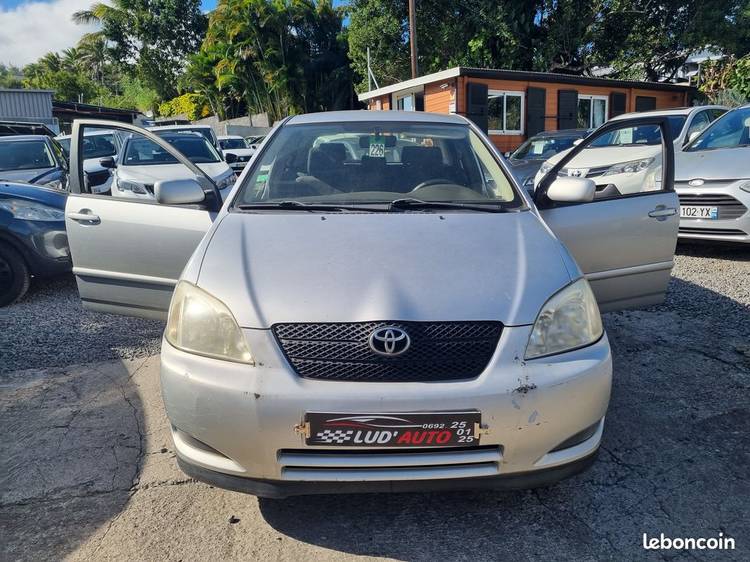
373 465
728 206
439 351
713 231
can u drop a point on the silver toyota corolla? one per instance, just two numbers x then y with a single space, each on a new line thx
378 306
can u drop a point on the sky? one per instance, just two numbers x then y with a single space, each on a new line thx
31 28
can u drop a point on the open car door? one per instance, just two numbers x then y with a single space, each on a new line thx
625 236
129 245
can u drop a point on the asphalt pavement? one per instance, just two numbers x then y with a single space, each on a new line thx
87 469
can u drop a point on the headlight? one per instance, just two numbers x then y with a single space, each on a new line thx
568 320
745 186
200 323
31 211
546 167
54 184
225 182
134 186
629 167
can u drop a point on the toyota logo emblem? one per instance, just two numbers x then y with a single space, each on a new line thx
389 341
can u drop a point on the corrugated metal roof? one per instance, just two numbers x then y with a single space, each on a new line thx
25 104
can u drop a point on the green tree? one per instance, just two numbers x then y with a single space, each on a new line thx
150 39
277 56
10 76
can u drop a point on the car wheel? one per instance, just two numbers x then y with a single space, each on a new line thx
14 275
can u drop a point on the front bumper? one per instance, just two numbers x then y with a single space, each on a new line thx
234 425
733 204
43 244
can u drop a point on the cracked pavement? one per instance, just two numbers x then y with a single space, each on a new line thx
87 469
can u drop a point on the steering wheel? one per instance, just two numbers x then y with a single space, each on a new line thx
433 181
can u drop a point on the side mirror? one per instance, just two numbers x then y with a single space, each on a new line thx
230 158
572 190
108 162
179 192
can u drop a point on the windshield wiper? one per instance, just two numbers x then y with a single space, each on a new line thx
299 206
409 203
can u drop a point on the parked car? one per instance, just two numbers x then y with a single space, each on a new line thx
142 163
235 144
32 237
255 141
686 123
526 160
35 159
204 130
96 145
344 325
713 181
632 154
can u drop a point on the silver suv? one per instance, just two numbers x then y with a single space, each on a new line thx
390 314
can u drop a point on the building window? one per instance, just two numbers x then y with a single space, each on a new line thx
405 103
592 111
505 113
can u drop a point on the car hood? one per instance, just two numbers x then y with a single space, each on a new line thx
30 176
294 267
522 169
607 155
157 172
719 164
239 151
45 195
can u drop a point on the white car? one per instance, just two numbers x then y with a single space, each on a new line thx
623 159
142 163
96 145
237 145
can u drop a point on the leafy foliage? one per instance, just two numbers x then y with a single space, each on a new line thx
193 106
149 39
726 81
10 76
277 56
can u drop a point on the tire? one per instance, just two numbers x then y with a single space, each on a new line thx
14 275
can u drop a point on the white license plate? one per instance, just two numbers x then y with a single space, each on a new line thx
695 212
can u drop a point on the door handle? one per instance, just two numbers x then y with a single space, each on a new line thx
84 215
662 212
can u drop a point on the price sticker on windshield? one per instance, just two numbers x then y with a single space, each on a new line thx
377 147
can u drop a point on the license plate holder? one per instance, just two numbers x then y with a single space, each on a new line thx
699 212
402 430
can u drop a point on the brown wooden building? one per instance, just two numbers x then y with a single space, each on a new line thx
514 105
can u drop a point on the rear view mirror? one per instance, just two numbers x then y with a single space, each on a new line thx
108 162
572 190
179 192
230 158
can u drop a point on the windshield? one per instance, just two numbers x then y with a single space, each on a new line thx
643 135
541 148
731 130
361 162
25 155
142 152
94 146
232 143
202 131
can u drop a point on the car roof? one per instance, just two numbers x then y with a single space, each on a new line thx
227 137
11 138
177 127
376 116
563 133
670 111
